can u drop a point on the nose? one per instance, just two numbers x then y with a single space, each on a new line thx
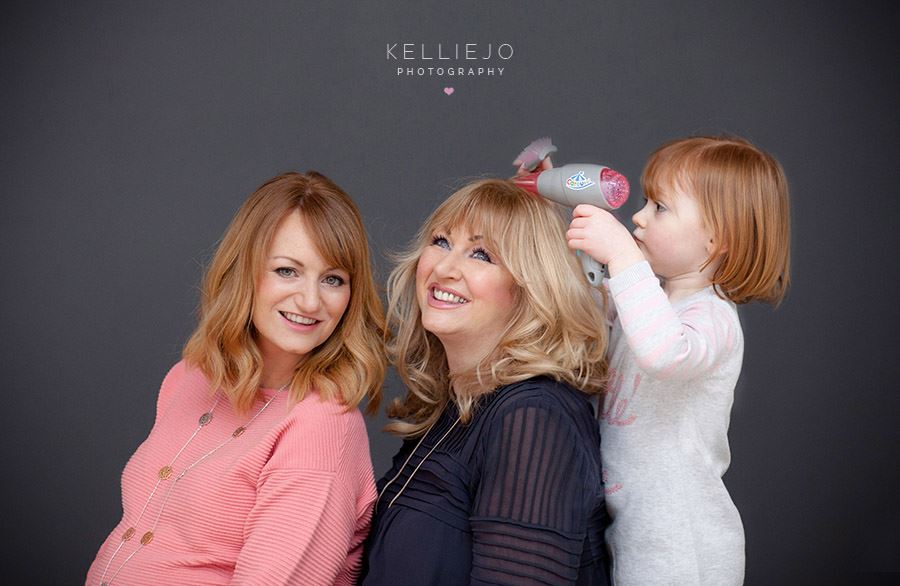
308 298
639 219
448 267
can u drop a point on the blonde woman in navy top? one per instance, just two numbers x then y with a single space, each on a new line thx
500 345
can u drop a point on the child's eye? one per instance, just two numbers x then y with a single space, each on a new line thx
660 207
286 272
441 242
333 281
482 254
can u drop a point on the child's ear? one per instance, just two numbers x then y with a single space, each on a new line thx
714 249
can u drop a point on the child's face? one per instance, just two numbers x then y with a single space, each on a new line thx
672 234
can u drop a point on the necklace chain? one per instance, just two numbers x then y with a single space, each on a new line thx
165 473
416 469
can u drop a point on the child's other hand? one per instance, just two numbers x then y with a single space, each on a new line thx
599 234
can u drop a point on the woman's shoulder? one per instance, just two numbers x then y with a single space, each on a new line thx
537 388
323 442
546 410
540 392
315 410
184 375
181 378
324 431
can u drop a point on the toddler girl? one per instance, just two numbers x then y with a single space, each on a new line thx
714 232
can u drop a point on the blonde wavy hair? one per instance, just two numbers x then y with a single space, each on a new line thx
557 329
743 194
347 367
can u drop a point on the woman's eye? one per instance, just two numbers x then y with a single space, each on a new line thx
285 272
440 241
333 281
481 254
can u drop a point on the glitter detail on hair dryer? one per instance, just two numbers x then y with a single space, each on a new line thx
614 186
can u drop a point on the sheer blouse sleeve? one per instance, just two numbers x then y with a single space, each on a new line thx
533 498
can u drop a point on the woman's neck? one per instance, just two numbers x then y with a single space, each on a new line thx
464 357
276 372
459 361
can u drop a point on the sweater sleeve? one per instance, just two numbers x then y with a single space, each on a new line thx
308 525
532 503
666 344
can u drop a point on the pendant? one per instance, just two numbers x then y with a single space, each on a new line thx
205 418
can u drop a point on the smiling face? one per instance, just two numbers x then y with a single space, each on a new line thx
466 297
671 233
299 298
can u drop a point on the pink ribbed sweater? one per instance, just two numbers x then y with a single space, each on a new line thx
287 502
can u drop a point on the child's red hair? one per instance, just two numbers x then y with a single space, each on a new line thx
743 194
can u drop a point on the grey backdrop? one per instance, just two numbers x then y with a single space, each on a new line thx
132 133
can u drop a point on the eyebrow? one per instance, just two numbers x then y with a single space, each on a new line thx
300 264
293 260
472 238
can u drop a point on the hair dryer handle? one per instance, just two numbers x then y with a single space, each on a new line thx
593 270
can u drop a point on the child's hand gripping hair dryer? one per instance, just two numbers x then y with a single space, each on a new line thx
571 185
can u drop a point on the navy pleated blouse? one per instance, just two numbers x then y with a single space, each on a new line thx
514 497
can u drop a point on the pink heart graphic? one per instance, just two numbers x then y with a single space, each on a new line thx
448 90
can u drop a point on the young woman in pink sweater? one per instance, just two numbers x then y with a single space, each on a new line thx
257 468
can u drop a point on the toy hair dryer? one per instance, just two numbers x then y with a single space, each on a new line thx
571 185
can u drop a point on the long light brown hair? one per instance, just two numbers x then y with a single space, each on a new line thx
350 365
743 194
556 330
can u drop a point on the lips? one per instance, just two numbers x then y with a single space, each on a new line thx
298 319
